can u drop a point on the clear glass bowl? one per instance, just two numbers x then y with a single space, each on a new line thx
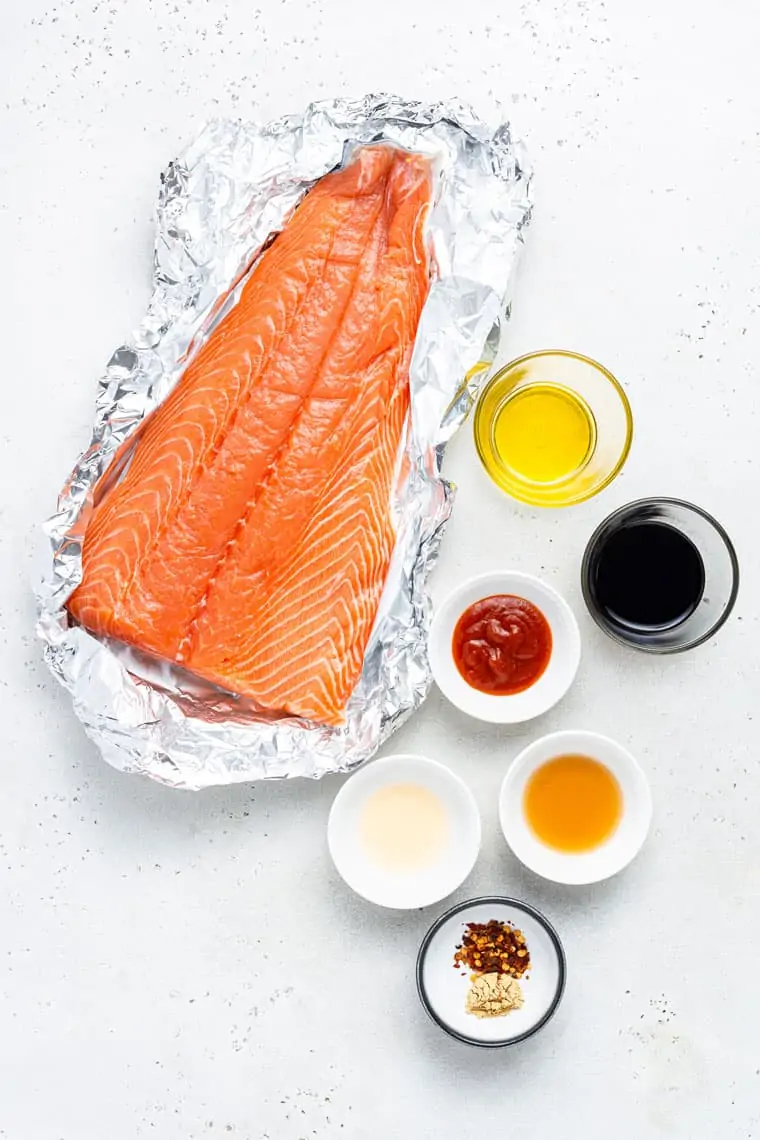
581 415
719 561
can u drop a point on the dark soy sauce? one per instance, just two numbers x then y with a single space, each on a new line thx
648 577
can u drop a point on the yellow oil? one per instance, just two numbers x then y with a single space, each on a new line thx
543 433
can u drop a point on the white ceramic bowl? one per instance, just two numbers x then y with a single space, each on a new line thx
404 890
443 990
553 683
587 866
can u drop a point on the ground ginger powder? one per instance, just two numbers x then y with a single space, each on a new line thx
493 995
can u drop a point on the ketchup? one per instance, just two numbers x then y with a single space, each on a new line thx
502 644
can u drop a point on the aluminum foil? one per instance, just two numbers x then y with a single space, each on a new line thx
219 204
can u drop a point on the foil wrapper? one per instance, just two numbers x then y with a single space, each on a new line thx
219 204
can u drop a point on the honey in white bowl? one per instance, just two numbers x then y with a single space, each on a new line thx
573 803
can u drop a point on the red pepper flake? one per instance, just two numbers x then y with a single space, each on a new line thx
493 948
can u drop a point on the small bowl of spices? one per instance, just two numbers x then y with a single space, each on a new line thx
491 971
504 647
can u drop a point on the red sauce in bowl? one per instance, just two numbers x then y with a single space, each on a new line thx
502 644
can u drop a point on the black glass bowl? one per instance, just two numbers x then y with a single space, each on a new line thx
719 563
442 988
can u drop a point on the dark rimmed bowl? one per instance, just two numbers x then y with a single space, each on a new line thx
719 560
443 989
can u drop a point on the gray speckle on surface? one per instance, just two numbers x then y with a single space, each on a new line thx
189 967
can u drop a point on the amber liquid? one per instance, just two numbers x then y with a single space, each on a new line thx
573 803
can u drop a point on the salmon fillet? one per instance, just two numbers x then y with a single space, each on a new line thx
250 538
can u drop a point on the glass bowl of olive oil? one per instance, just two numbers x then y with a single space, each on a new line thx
553 428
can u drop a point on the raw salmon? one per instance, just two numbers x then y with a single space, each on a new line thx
250 538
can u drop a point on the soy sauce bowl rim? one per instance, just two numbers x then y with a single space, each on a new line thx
629 508
527 498
557 946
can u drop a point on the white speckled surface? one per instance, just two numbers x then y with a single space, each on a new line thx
189 966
